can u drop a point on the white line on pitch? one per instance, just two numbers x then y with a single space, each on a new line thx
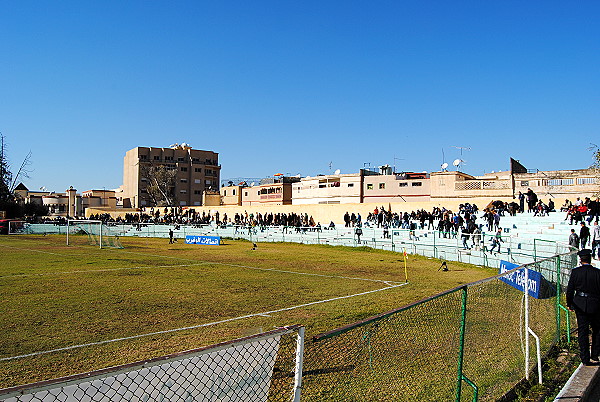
85 271
263 314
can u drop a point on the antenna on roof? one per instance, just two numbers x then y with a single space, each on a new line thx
457 163
462 148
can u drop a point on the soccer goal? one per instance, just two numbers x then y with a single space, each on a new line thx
17 227
95 231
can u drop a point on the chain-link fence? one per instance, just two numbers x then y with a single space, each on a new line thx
464 344
474 249
264 367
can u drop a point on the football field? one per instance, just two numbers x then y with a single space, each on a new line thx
70 309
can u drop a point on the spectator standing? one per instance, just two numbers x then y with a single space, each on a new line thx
573 239
521 202
496 240
358 231
584 235
583 297
596 241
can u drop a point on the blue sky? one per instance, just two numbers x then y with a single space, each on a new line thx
290 86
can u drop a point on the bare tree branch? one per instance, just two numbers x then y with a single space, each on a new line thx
22 172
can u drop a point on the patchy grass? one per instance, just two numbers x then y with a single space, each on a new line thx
54 296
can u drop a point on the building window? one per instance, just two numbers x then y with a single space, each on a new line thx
233 192
224 193
370 186
403 184
197 181
245 194
183 191
417 184
208 172
381 186
180 159
586 180
525 183
208 182
350 184
143 157
156 157
198 170
197 192
168 158
183 180
183 169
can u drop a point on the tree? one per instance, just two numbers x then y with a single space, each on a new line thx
5 173
596 165
9 181
161 184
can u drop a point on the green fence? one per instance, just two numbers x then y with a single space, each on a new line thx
464 344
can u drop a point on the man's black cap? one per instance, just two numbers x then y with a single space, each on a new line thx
585 252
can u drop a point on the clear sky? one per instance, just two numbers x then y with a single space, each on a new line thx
290 86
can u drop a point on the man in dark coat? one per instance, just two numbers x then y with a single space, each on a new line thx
583 297
584 235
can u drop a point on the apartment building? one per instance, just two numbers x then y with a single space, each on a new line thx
196 171
397 187
328 189
270 191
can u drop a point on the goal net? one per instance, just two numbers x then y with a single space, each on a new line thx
96 232
18 227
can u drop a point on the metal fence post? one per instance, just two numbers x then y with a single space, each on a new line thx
461 350
299 363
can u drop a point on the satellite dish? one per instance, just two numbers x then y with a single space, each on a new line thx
444 166
457 162
337 171
252 184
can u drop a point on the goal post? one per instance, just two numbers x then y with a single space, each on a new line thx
90 227
17 227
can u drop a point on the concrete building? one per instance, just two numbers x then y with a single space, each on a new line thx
397 187
197 171
232 194
69 203
328 189
270 191
556 184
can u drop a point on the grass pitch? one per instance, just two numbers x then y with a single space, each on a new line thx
156 298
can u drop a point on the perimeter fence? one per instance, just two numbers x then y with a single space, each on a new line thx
263 367
435 244
468 343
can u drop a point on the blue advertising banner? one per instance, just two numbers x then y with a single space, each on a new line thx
205 240
516 279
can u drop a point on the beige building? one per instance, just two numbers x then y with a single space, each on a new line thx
231 195
197 171
556 184
270 191
69 203
328 189
397 187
